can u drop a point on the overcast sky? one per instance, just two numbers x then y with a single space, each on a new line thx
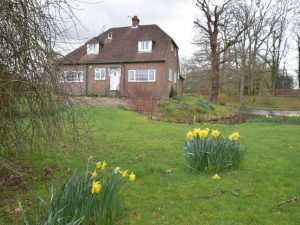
175 17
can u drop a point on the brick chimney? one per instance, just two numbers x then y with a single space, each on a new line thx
135 22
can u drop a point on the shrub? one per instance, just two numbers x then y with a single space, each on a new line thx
212 152
183 106
222 99
87 198
168 108
204 104
122 106
142 99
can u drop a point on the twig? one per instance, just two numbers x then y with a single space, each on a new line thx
293 199
211 196
8 168
252 195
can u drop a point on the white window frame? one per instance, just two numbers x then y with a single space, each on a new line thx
175 77
170 74
78 78
145 46
92 48
172 47
102 72
133 77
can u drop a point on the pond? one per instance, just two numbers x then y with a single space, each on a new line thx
252 114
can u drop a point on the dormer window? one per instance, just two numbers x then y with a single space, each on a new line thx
92 48
109 36
145 46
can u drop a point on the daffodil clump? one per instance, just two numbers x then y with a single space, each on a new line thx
206 150
89 198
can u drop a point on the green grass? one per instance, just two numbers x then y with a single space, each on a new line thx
263 102
274 102
166 192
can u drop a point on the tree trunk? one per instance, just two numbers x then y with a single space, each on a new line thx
299 64
215 74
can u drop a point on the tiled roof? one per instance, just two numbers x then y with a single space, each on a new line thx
123 47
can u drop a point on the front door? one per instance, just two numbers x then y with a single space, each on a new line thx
115 74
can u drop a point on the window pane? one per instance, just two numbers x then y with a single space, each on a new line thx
70 76
100 74
142 75
175 77
92 48
151 75
145 45
80 76
170 74
131 74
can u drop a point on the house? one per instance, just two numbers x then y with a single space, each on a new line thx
124 61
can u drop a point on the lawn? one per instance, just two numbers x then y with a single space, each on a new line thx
263 101
166 192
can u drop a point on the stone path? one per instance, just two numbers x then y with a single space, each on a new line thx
100 101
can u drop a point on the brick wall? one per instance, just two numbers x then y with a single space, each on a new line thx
98 87
172 62
158 88
74 88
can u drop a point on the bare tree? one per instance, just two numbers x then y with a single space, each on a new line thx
298 42
216 16
31 97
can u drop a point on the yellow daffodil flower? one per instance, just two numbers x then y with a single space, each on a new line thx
216 177
104 164
125 173
94 175
98 165
203 133
117 170
189 135
215 133
96 187
207 129
234 136
132 177
294 115
196 131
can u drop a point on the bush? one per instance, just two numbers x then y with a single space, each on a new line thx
168 108
183 106
122 106
204 104
88 198
212 152
222 99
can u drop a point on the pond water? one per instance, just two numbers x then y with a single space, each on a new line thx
251 114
